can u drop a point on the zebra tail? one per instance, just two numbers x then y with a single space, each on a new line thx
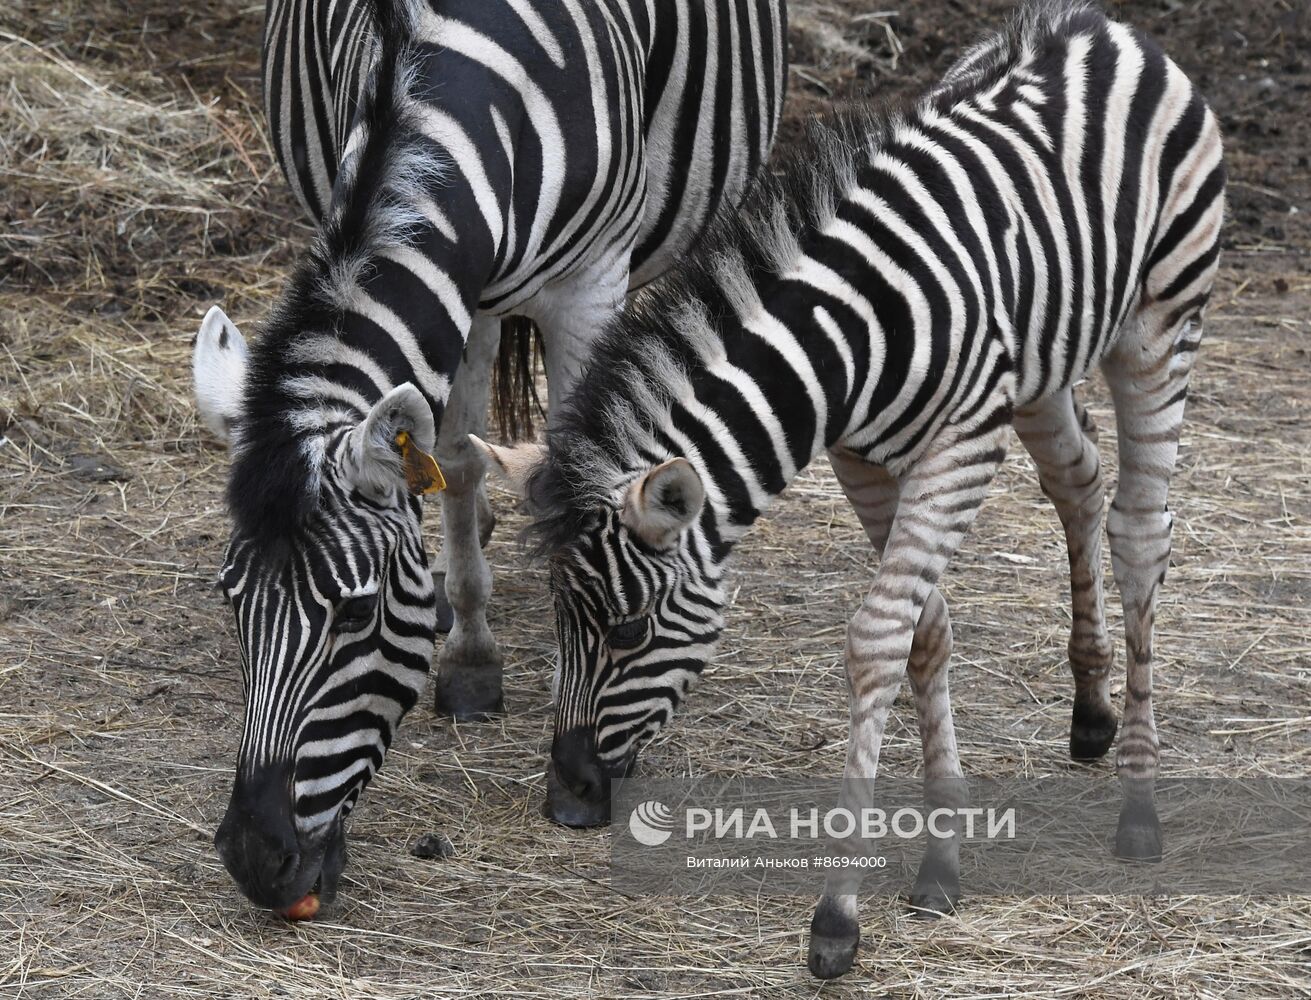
515 402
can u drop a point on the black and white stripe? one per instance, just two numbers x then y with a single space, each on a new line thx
707 79
915 285
350 601
502 157
317 57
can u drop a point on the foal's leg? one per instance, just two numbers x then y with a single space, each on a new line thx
873 494
1148 376
469 666
939 499
1060 436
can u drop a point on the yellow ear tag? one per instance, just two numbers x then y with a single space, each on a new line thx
422 474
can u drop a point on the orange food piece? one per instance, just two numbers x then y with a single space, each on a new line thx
303 909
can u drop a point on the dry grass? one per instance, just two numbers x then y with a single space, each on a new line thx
137 190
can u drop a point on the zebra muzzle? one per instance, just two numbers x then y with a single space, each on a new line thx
273 864
578 782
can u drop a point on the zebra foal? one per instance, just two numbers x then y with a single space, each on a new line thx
917 285
469 159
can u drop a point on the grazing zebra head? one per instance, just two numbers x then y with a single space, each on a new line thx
329 583
637 611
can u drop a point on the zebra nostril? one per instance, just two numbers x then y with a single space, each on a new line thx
584 784
287 867
582 778
577 766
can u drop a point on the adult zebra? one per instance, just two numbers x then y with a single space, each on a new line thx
504 158
920 283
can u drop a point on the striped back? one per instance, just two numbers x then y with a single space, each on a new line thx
684 132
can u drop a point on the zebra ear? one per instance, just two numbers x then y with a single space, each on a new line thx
393 446
218 369
514 463
664 501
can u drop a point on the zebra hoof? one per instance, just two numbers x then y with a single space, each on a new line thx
936 891
445 613
1092 731
834 938
1138 836
468 696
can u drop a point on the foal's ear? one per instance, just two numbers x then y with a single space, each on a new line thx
664 501
218 369
392 447
513 463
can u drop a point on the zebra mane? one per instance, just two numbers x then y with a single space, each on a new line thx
276 477
996 52
614 423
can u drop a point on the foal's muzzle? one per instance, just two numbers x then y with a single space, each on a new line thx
578 781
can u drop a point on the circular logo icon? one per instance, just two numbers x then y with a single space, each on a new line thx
651 823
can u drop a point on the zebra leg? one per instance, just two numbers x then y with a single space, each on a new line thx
1060 436
940 496
1148 377
937 886
486 521
469 667
873 494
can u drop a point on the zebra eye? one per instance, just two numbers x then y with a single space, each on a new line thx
627 635
355 613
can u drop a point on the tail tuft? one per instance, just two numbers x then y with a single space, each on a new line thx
515 402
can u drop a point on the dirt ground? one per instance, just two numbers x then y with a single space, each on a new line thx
137 188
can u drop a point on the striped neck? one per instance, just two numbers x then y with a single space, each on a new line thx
777 344
385 296
698 364
355 326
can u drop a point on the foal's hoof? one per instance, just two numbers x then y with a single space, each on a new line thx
1092 731
833 942
936 892
445 613
1138 837
468 695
